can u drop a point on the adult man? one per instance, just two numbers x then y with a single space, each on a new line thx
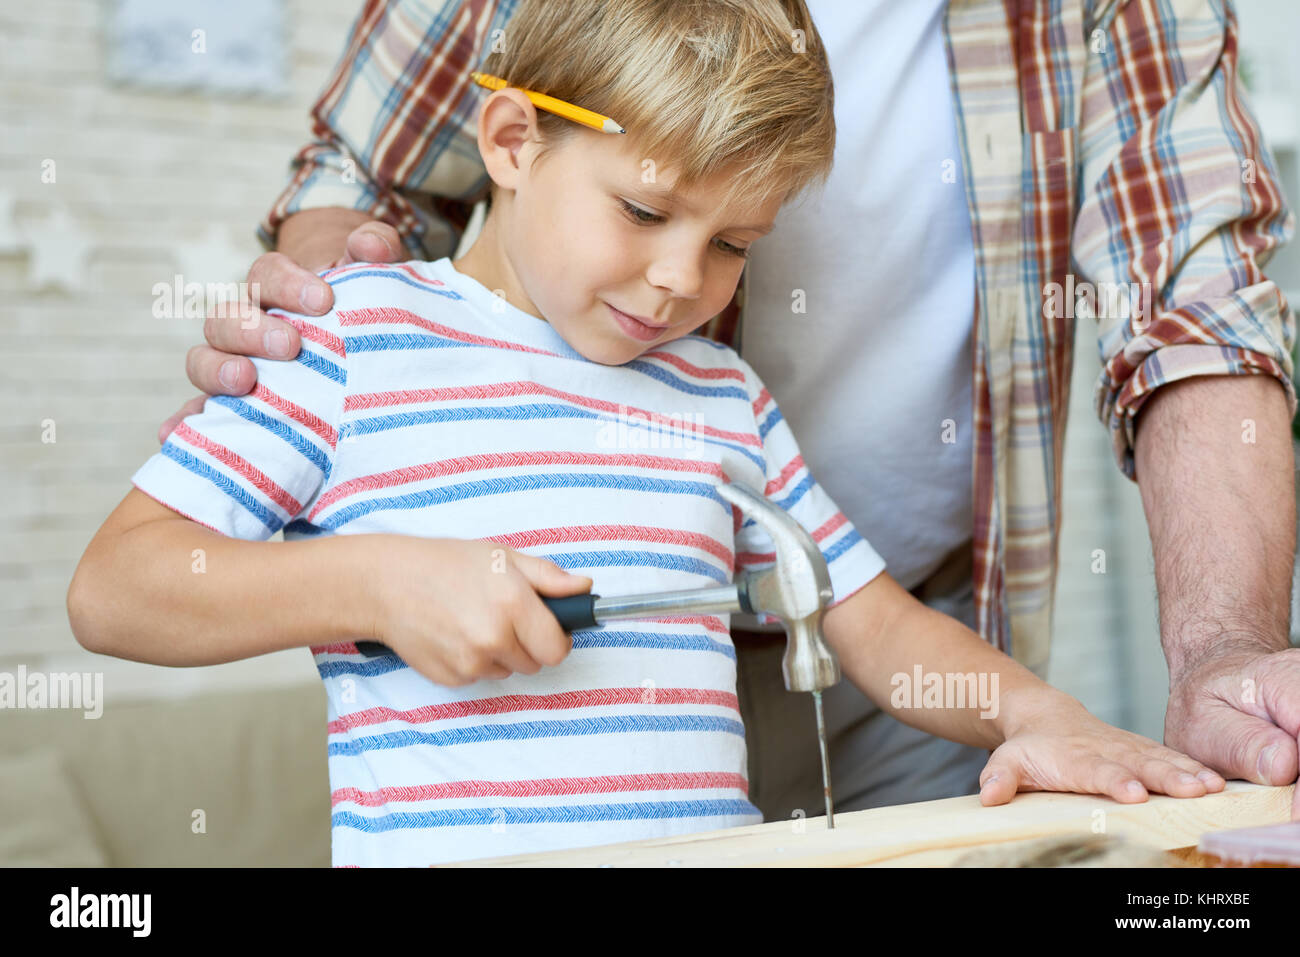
1030 149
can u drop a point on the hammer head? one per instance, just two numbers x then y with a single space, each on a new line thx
796 590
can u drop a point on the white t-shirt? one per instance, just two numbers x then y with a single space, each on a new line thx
424 405
868 376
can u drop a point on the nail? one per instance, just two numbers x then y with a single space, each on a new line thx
229 373
1266 761
1134 787
312 298
277 343
1209 777
1186 779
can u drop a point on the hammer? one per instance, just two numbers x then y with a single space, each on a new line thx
796 590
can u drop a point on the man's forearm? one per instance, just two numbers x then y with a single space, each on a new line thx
315 238
1216 473
172 592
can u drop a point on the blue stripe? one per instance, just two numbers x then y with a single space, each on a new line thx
638 558
286 433
661 374
429 498
399 275
770 422
587 639
530 412
363 667
318 363
526 730
842 546
223 482
563 814
794 495
594 638
406 341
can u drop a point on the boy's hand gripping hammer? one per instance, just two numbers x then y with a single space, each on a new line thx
796 589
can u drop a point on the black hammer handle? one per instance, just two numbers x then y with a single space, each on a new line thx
574 612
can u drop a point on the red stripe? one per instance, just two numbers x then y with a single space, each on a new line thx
508 704
761 402
315 334
694 370
823 532
242 466
538 537
778 483
391 315
507 460
604 784
304 417
497 390
427 280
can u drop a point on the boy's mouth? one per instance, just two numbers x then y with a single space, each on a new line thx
637 328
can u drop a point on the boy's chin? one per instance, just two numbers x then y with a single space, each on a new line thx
608 354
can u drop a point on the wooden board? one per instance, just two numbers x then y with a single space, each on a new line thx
933 833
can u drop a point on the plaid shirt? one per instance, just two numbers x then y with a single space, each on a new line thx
1104 142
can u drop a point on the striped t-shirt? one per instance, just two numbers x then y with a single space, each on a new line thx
425 405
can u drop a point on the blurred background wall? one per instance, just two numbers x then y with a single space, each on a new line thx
108 187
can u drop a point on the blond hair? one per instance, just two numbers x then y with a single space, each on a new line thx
701 86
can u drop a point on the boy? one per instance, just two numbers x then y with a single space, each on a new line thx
441 451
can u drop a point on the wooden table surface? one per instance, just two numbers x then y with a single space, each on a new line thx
934 833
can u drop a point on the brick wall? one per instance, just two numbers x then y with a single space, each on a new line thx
153 184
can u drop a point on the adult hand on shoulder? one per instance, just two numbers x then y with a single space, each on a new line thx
1238 711
281 280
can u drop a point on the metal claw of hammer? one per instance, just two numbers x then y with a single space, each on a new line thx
795 589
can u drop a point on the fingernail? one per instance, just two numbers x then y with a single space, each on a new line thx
229 373
1209 777
277 343
1134 788
988 782
1266 760
1186 779
312 298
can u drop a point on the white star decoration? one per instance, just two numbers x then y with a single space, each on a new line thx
59 249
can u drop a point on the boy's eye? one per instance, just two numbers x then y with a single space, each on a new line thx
647 218
639 214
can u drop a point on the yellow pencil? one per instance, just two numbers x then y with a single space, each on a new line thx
599 123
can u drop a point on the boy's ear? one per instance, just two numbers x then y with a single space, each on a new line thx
507 123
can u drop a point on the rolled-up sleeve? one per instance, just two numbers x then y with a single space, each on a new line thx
1181 208
394 132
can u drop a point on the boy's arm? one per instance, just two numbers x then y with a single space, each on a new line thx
155 586
881 631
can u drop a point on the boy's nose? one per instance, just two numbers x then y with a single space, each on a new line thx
678 272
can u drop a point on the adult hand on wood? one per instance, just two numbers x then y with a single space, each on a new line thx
1238 711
